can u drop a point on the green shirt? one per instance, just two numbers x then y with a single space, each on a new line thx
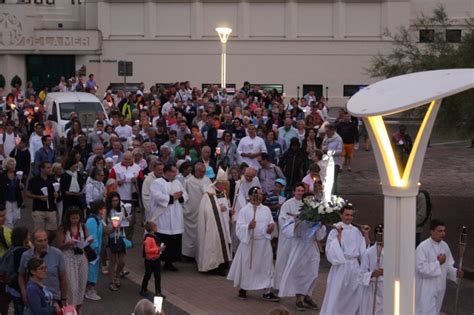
7 234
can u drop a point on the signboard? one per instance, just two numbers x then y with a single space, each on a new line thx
125 68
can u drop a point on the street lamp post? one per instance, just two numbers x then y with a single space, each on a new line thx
224 33
400 187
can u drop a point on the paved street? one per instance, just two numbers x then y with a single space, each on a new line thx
447 174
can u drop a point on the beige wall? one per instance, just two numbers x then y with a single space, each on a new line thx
290 42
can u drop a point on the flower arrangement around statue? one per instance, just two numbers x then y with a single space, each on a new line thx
321 208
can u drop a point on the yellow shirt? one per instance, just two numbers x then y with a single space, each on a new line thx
7 233
42 95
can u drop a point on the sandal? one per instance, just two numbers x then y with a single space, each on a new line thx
117 283
113 287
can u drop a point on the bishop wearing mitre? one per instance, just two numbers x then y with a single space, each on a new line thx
214 254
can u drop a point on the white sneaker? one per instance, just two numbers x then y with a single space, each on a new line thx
92 295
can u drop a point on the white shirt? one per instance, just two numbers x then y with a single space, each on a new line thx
126 173
251 145
167 107
9 144
124 131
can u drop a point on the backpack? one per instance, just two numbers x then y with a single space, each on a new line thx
428 207
7 265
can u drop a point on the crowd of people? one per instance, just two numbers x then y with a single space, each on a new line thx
215 179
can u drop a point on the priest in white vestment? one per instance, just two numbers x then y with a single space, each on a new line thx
252 267
434 263
241 199
166 202
156 168
195 187
370 274
214 239
288 211
302 269
344 248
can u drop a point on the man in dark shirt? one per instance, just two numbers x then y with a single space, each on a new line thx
41 190
22 156
349 134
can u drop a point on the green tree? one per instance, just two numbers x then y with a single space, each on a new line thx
409 55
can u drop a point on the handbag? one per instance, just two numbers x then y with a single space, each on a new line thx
127 242
90 253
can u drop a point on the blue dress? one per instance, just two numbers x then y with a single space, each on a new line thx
94 226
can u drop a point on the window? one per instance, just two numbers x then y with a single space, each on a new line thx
268 87
350 90
230 87
317 88
427 36
453 36
65 109
131 87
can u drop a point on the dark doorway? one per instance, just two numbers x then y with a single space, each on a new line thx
47 69
317 88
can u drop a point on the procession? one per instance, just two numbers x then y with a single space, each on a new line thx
243 187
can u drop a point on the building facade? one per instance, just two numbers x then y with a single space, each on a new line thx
325 45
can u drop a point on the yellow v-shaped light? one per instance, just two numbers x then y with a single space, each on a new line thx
380 131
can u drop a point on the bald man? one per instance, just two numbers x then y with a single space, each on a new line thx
241 198
127 175
251 147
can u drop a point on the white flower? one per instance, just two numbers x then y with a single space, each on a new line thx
321 209
329 210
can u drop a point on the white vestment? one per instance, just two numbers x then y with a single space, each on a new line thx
342 295
301 272
431 276
195 188
150 178
367 282
213 231
168 217
291 206
260 275
241 199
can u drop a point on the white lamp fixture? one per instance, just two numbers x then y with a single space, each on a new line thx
224 33
400 189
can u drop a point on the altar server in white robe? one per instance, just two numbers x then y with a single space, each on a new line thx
288 211
156 168
195 187
301 272
167 198
241 199
214 242
434 263
252 267
344 247
369 272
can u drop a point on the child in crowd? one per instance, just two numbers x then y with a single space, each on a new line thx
151 253
274 200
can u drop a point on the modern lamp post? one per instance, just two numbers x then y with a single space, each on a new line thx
224 33
400 187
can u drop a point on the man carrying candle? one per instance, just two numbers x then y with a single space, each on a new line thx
344 248
434 263
41 190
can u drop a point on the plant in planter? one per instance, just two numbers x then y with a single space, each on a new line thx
16 81
2 81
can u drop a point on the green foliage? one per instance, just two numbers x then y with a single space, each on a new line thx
15 81
408 55
2 81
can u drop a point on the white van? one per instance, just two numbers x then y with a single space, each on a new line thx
60 105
